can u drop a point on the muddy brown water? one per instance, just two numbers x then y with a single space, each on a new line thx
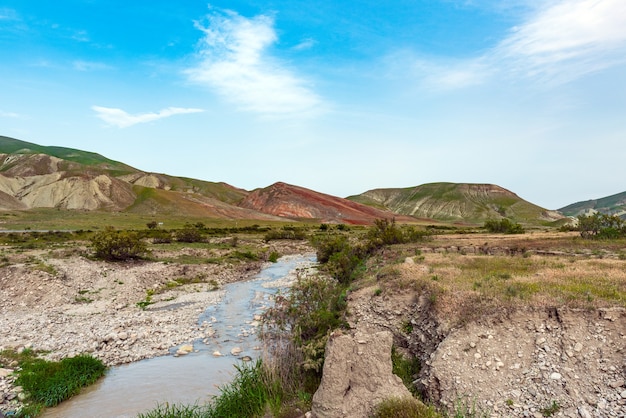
130 389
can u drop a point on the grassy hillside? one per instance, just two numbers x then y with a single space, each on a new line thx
15 146
614 205
457 202
155 193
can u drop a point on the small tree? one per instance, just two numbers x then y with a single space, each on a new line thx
115 245
152 224
600 225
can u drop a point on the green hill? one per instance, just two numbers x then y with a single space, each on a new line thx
613 205
457 202
67 178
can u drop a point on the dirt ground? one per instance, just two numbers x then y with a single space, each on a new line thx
78 305
535 359
539 360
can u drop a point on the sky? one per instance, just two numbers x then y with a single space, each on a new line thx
336 96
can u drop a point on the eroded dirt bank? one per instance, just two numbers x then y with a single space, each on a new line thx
518 363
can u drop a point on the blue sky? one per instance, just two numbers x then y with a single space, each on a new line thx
340 97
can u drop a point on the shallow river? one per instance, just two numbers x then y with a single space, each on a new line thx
130 389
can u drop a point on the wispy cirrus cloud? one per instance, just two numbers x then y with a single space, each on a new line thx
567 40
8 14
122 119
4 114
556 43
236 63
81 65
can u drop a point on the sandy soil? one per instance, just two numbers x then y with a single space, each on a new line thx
80 305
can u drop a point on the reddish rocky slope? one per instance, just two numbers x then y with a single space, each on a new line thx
285 200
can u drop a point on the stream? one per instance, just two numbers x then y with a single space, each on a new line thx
194 378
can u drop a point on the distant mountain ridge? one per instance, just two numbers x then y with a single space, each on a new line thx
35 176
612 205
457 202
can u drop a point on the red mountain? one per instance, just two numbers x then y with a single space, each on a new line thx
285 200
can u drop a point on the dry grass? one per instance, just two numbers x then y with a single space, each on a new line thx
468 287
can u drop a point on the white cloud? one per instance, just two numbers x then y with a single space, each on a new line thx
557 43
235 62
305 44
8 14
9 114
121 119
567 40
89 66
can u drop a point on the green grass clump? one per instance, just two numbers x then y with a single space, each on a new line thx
250 393
405 368
51 382
404 408
175 411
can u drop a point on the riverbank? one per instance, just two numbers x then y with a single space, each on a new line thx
76 305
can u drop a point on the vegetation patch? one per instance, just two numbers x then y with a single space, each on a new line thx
112 245
47 383
503 226
404 408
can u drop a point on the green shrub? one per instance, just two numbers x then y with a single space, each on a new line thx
601 226
314 307
115 245
286 232
386 232
503 226
189 234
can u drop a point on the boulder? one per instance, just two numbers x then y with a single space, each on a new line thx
357 376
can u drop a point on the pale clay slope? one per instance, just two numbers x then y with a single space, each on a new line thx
53 190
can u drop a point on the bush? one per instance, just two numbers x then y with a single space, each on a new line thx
601 226
189 234
342 259
115 245
314 307
287 232
503 226
386 232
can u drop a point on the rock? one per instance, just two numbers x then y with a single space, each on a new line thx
5 372
235 351
217 354
623 394
583 412
578 347
556 376
356 376
615 384
184 349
